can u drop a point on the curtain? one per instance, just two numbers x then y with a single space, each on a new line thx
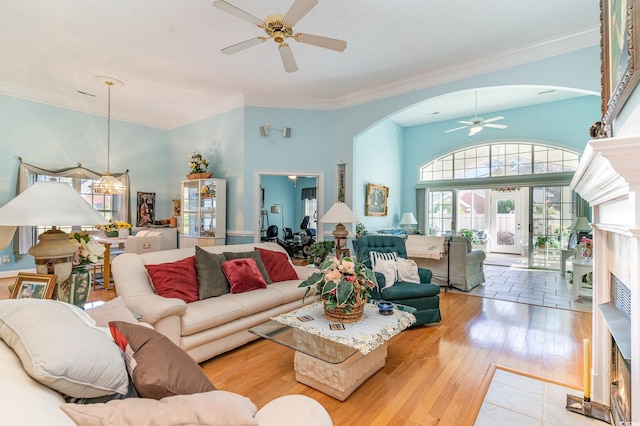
421 194
308 194
22 240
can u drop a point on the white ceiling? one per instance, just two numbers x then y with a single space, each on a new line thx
167 52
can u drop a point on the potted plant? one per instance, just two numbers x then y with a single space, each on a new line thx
344 287
545 242
319 251
198 166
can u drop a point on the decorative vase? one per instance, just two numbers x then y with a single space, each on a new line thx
205 175
338 314
75 290
123 233
111 234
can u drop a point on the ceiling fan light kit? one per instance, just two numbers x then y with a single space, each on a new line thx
279 28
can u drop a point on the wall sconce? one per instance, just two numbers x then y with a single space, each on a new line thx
264 130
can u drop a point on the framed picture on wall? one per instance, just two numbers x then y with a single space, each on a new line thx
620 31
34 286
376 200
146 208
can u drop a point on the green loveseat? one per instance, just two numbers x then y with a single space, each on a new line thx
425 297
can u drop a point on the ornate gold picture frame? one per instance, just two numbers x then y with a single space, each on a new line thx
376 204
620 32
34 286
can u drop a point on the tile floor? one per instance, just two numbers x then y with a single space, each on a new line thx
514 399
507 278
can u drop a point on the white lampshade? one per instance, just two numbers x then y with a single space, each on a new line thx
339 213
49 204
580 224
408 219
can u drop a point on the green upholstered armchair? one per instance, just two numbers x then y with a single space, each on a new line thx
424 296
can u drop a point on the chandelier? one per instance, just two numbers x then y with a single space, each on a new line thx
107 184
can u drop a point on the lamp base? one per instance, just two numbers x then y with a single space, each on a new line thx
54 254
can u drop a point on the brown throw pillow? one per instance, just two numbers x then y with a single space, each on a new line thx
211 279
252 255
158 368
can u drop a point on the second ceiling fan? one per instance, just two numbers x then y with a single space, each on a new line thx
476 124
280 28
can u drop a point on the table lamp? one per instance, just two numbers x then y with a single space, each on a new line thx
49 204
408 220
580 224
339 213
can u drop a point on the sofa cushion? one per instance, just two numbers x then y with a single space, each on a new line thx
252 255
211 280
209 408
403 290
243 275
60 347
175 279
277 265
156 365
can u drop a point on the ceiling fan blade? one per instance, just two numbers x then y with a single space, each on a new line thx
298 10
457 128
470 123
326 42
229 8
235 48
288 60
489 120
496 126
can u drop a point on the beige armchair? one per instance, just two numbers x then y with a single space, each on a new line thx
454 262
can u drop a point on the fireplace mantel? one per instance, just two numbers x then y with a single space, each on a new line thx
608 178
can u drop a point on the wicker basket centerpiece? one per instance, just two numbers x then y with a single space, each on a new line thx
344 287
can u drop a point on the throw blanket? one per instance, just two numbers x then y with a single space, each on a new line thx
365 335
425 246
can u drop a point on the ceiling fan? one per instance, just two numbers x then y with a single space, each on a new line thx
280 28
476 124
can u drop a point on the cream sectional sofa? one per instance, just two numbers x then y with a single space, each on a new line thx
208 327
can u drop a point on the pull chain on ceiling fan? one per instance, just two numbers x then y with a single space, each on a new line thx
280 28
476 124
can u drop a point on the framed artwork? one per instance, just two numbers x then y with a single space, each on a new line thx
146 208
620 32
376 200
261 197
34 286
341 178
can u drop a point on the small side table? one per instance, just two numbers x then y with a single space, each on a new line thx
564 256
580 268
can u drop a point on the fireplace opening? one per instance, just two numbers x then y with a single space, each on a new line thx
620 386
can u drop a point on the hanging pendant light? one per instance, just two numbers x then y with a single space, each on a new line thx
107 184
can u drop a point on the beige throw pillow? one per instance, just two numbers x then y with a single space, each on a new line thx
388 268
408 271
214 408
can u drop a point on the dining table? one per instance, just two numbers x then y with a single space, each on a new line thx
108 242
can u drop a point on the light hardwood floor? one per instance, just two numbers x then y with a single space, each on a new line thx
435 374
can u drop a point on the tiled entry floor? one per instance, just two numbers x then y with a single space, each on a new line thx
514 399
532 286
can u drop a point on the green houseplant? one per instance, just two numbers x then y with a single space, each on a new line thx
319 251
547 242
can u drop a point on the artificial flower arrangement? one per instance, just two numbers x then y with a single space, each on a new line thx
587 247
114 225
88 250
197 163
341 283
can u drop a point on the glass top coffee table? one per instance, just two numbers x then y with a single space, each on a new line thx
331 367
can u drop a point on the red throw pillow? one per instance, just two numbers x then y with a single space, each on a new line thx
277 264
243 275
176 279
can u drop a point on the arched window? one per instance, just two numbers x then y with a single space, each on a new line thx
500 160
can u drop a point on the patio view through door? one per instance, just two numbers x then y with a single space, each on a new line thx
505 222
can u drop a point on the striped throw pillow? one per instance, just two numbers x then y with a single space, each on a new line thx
374 256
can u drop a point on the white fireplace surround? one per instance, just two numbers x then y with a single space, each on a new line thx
608 177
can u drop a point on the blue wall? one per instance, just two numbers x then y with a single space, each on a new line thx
158 160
